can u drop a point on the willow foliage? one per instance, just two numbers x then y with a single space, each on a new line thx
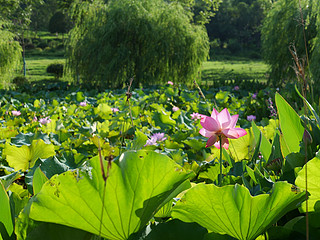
151 40
283 28
315 59
10 53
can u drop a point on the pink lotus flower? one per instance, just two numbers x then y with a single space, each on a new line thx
83 104
254 96
195 116
157 137
45 120
220 125
114 110
170 83
16 113
174 109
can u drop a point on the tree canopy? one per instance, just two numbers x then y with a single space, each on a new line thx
282 28
235 28
151 40
10 53
58 23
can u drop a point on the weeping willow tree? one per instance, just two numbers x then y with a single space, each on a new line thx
283 27
315 59
10 54
151 40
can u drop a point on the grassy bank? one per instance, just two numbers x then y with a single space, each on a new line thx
222 72
37 65
213 72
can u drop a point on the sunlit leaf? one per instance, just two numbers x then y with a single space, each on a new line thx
6 224
313 169
39 178
232 210
291 127
104 110
23 158
242 148
265 147
140 183
139 140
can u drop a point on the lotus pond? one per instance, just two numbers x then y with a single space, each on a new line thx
79 164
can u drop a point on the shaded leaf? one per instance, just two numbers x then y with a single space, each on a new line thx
163 120
27 138
171 230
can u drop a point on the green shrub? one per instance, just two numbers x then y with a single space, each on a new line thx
38 50
20 81
42 44
56 69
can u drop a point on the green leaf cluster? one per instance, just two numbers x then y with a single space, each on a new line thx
55 183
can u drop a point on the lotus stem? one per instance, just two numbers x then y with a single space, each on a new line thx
220 162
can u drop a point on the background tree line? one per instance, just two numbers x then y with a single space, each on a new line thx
160 42
236 28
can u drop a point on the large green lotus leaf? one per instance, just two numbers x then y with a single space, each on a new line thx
265 145
27 138
25 157
232 210
7 132
140 183
139 140
103 110
6 224
195 144
80 96
313 170
211 172
242 148
163 120
291 127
